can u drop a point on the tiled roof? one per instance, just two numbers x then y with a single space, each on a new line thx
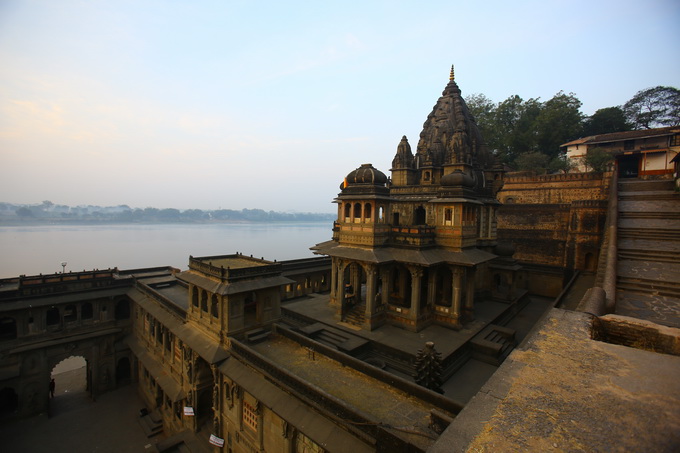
629 135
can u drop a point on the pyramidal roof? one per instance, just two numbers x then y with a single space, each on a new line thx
450 134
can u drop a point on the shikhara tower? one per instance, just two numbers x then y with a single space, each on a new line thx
414 249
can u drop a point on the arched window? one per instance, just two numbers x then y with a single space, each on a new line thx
122 309
448 216
348 211
367 211
8 328
70 313
357 212
86 311
194 296
419 217
427 176
213 306
204 301
381 214
52 317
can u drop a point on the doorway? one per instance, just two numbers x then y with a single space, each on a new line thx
628 166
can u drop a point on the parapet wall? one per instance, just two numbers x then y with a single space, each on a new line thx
527 188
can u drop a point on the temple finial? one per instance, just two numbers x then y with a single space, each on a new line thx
451 76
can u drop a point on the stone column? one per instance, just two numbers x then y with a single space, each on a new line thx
339 285
416 276
334 278
470 294
456 292
371 280
431 288
385 290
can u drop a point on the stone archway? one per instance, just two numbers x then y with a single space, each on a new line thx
123 371
70 375
9 402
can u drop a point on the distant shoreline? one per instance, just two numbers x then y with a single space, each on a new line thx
59 222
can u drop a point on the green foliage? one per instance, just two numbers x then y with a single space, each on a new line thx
654 107
560 164
515 126
598 159
559 121
533 161
606 121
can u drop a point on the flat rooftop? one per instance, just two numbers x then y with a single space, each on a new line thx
376 399
232 261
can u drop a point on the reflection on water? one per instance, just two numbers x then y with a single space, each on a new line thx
42 249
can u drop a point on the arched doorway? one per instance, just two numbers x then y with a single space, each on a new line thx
9 402
123 371
71 382
589 262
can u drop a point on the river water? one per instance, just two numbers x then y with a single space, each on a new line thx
31 250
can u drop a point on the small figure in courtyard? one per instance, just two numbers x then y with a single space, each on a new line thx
52 387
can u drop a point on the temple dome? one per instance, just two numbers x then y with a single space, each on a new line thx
366 174
457 178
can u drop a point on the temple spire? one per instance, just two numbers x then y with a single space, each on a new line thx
451 76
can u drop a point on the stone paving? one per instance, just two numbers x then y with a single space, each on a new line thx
564 392
80 425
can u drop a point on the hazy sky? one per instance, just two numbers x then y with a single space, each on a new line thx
245 104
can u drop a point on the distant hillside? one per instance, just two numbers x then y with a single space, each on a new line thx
48 212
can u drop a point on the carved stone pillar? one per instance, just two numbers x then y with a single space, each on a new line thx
431 288
416 279
334 279
385 290
470 294
456 292
371 280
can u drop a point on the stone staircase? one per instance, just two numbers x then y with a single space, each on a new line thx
356 315
493 344
151 423
648 265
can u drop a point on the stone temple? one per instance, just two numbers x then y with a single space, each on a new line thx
415 249
418 329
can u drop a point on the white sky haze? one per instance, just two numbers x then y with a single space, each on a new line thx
245 104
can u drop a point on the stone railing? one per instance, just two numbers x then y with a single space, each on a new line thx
227 273
601 299
417 235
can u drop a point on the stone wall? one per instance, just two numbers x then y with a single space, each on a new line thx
554 221
529 188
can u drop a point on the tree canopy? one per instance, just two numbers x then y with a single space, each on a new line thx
654 107
527 134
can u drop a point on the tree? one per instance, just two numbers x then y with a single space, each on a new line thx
561 163
533 161
598 159
483 110
559 121
654 107
606 121
514 123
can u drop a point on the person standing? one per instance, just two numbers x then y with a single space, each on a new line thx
52 386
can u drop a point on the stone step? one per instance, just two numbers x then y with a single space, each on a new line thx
646 286
639 185
649 215
659 256
493 344
659 234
